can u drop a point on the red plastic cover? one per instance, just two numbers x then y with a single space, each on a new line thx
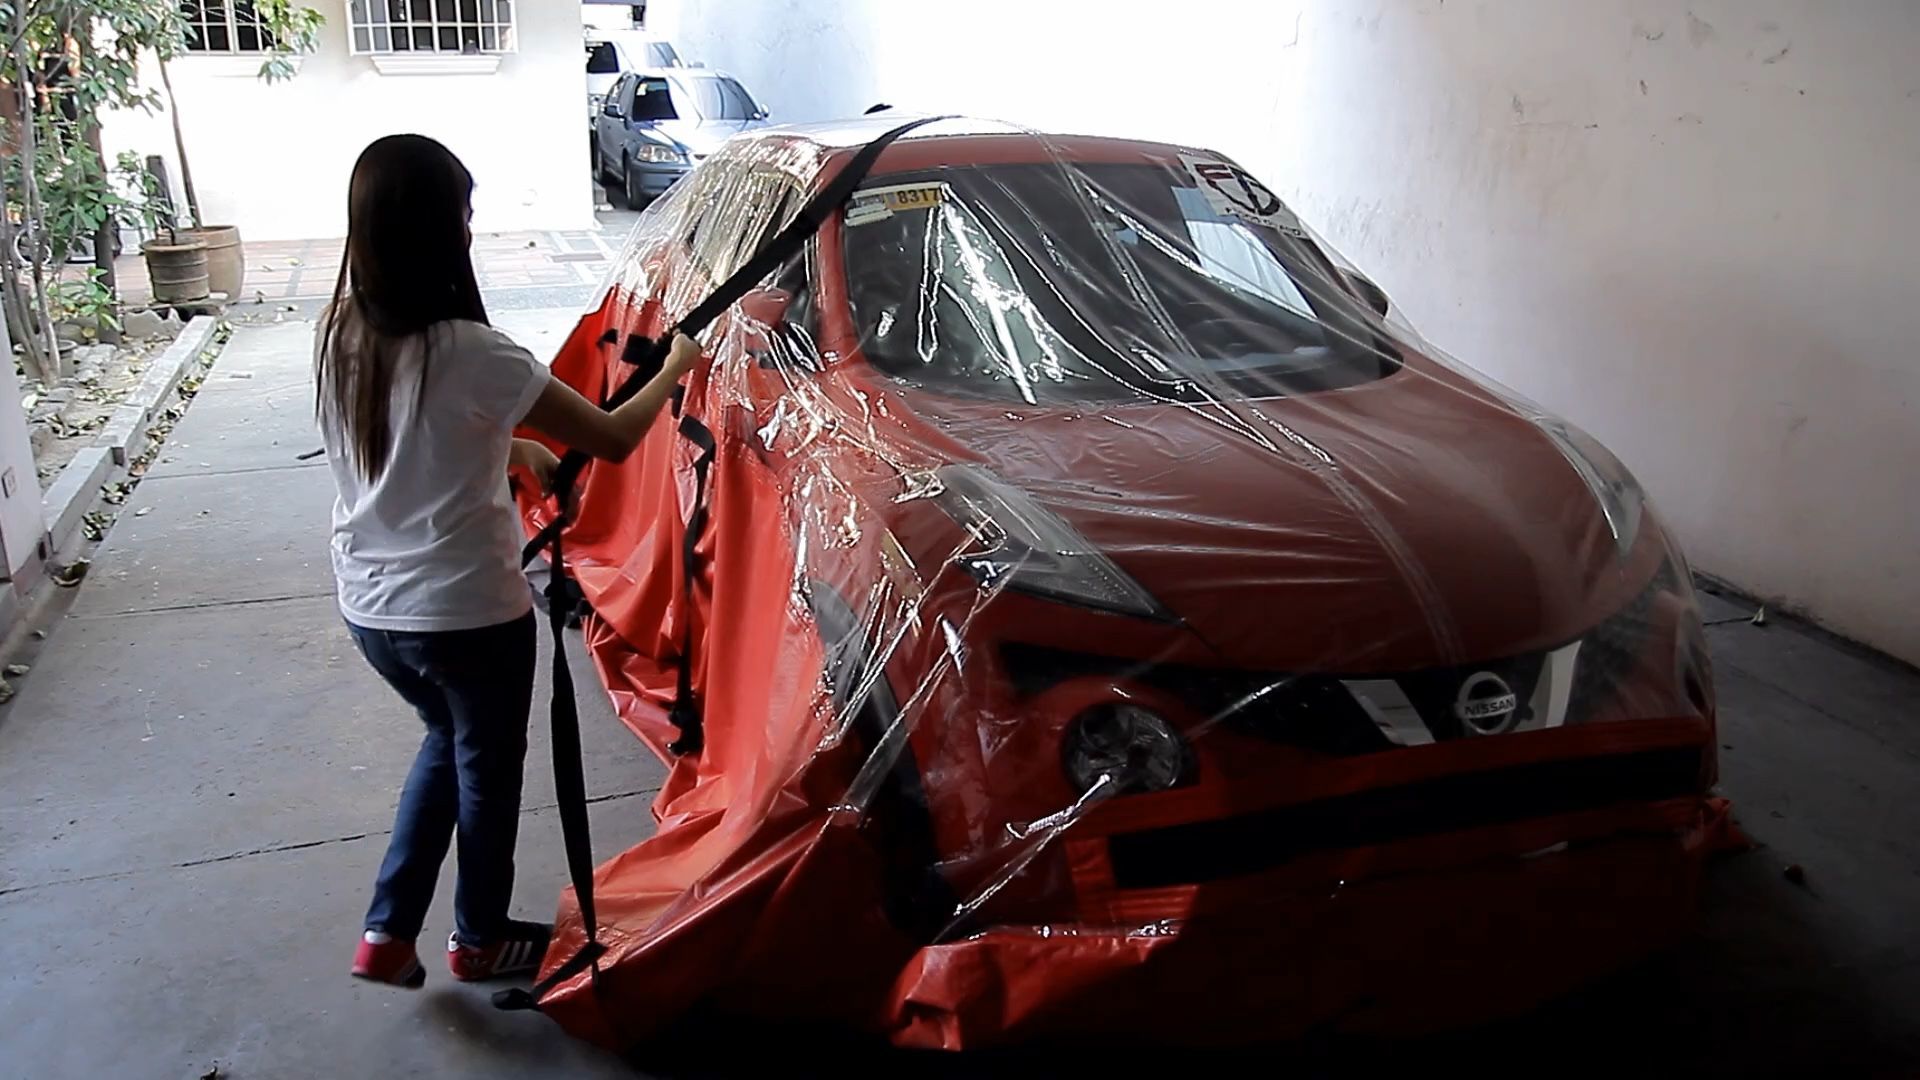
1108 618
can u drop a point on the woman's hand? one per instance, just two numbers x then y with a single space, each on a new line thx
680 357
536 459
563 415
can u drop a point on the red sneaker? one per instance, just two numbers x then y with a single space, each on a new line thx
388 961
516 953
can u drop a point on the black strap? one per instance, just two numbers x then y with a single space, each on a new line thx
685 714
570 792
569 775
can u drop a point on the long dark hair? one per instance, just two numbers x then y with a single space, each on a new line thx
406 269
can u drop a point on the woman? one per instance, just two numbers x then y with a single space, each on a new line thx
417 399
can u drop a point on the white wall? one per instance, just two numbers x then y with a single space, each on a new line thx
274 160
23 522
1688 226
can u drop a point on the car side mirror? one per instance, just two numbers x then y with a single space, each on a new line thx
765 310
1370 294
762 114
767 306
613 112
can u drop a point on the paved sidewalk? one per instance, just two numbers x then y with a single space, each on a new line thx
288 270
197 779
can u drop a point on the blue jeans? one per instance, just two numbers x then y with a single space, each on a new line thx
472 689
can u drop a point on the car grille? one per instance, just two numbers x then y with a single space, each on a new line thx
1206 851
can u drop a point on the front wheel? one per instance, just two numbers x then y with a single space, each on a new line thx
636 199
620 188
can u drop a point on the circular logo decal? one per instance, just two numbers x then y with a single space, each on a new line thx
1486 704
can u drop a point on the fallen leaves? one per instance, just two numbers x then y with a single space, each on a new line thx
65 429
71 574
94 524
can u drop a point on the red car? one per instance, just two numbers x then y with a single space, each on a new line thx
1103 622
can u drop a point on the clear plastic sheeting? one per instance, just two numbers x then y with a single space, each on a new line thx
1105 621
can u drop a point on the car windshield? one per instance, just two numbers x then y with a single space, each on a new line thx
1093 282
661 54
716 99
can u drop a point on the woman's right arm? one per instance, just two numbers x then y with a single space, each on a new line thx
561 414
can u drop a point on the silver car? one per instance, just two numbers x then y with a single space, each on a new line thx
658 123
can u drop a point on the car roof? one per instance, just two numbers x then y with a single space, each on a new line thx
681 73
643 36
962 140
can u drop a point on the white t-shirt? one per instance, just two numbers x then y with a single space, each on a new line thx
433 543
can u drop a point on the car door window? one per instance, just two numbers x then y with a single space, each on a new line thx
652 100
735 102
602 59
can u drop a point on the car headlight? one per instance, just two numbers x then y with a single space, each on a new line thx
1020 544
1613 487
1131 747
660 155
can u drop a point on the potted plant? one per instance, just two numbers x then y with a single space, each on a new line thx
177 267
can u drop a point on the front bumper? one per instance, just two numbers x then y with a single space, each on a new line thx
1403 953
654 179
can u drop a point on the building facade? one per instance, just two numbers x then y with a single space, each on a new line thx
500 82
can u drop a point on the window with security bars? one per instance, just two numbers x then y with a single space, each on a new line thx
224 26
432 26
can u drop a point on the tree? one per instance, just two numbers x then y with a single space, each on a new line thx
63 62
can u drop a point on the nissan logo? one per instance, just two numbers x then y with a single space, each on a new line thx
1486 704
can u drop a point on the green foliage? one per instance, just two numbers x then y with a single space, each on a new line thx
76 198
87 301
295 30
77 58
146 206
116 33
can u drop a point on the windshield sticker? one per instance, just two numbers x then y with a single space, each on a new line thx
879 204
1233 191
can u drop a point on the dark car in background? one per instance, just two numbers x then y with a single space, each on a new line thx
657 124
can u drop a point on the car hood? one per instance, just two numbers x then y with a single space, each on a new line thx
703 137
1415 520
